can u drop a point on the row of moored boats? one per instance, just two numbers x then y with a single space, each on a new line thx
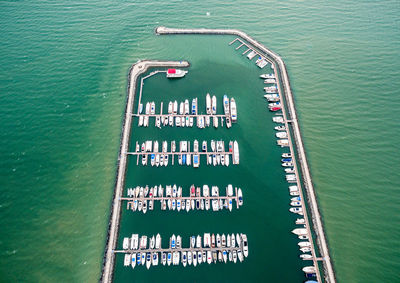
211 248
199 199
287 161
217 156
188 116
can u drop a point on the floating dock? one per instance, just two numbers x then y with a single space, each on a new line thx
291 117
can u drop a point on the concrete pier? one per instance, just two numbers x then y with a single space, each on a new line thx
279 67
136 70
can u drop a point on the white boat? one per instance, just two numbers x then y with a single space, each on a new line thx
306 256
127 259
215 122
148 260
280 128
287 164
208 104
186 109
207 240
170 107
147 111
133 261
297 210
126 243
184 259
218 238
134 241
175 107
173 242
305 249
225 256
176 73
251 54
295 203
209 257
309 269
300 231
233 240
189 258
178 242
225 102
171 121
143 259
234 255
262 63
235 153
240 255
176 258
233 110
289 170
194 258
245 245
207 122
214 105
300 221
140 121
181 108
194 106
304 244
281 135
200 257
155 259
269 81
169 259
278 119
267 76
163 258
198 241
158 241
152 108
152 242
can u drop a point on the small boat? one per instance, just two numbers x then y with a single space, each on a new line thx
207 121
267 76
219 256
173 242
175 107
209 257
286 155
192 241
175 73
178 242
176 258
240 197
215 121
251 54
148 260
194 106
184 259
215 256
213 241
300 231
300 221
289 170
155 259
138 259
208 104
234 255
244 245
270 81
233 110
125 243
235 153
170 107
225 256
127 259
164 258
281 135
186 107
295 203
207 241
223 240
305 249
181 108
189 258
194 258
218 238
200 257
152 242
306 256
309 269
198 241
297 210
304 244
214 105
280 128
240 255
169 258
287 164
230 256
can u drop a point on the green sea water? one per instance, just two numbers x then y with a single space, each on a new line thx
63 79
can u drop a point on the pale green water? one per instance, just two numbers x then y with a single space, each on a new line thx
63 85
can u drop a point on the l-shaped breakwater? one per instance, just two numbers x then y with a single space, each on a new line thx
292 120
136 70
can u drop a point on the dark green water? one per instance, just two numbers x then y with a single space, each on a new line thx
63 84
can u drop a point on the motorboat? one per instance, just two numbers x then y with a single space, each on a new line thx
226 105
234 255
309 269
218 238
163 258
215 121
295 203
208 104
175 107
173 242
155 259
280 128
306 256
148 260
194 258
240 197
300 221
169 259
204 146
134 241
184 259
300 231
209 257
235 153
297 210
125 243
152 242
189 258
198 241
194 106
281 135
245 245
127 259
214 105
287 164
133 261
267 76
178 242
207 240
233 110
304 244
225 256
187 107
176 73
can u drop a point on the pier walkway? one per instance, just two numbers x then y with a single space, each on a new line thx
312 199
137 69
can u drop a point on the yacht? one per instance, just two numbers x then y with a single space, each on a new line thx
233 110
226 105
235 153
148 260
215 122
140 121
281 135
178 242
280 128
184 259
194 106
306 256
309 269
304 244
196 160
234 255
176 73
267 76
300 221
125 243
300 231
155 259
134 241
143 259
133 262
194 258
169 259
214 105
208 104
170 107
224 256
181 108
218 238
297 210
287 164
189 258
207 240
164 258
204 146
158 241
209 257
175 108
198 241
152 242
207 122
295 203
173 242
127 259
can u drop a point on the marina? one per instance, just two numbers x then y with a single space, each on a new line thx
280 72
